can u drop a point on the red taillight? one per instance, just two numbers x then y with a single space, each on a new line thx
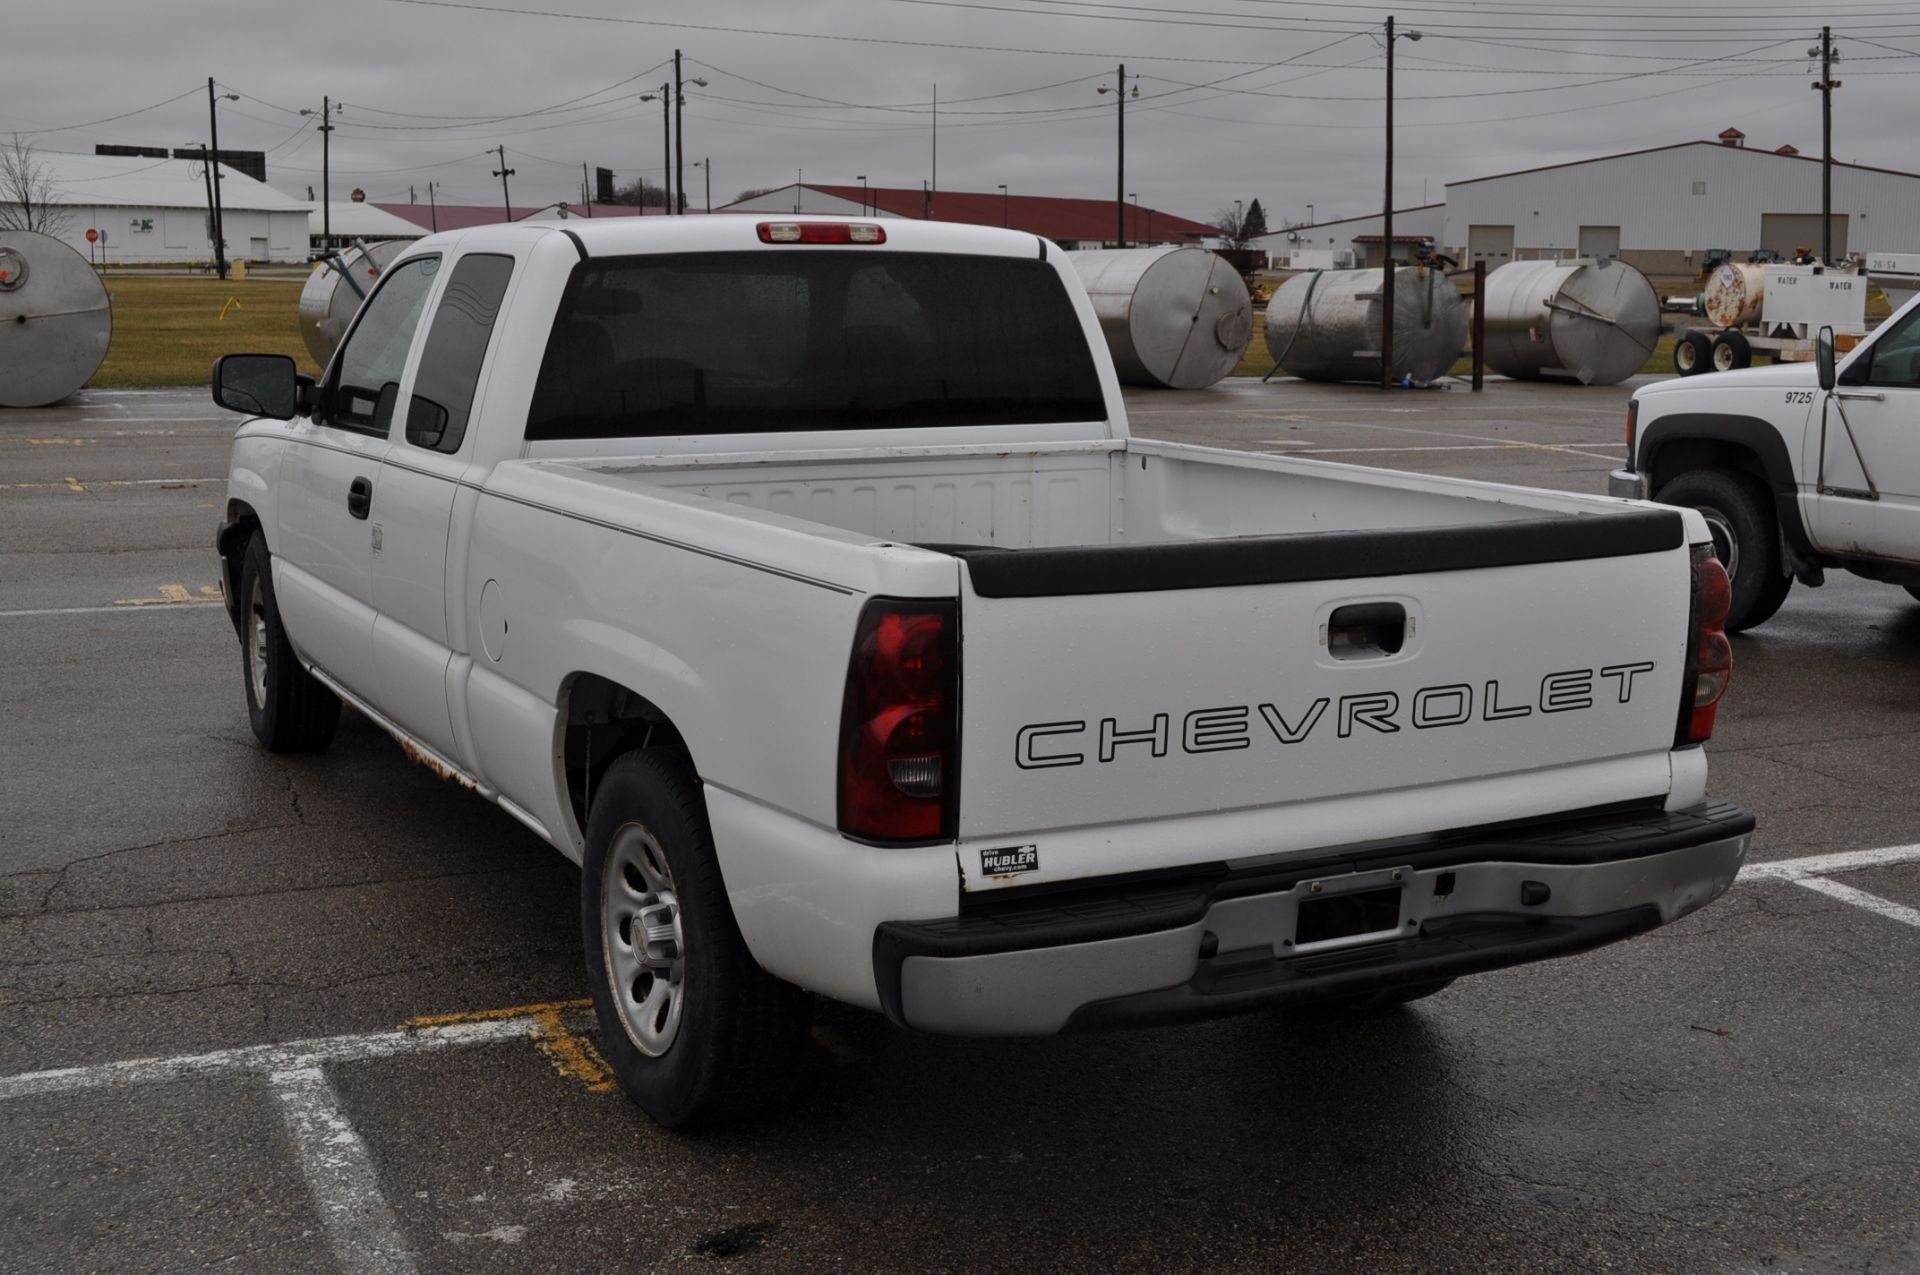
821 232
1710 659
899 726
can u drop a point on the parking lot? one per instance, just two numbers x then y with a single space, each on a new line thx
324 1013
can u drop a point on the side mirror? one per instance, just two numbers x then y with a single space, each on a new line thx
426 422
260 385
1823 356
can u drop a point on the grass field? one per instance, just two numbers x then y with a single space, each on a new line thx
168 330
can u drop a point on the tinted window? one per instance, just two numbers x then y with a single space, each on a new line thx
1896 354
825 339
366 376
456 346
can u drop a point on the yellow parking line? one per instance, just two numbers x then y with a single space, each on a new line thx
73 484
174 595
569 1053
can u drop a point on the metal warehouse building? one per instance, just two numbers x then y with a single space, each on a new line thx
156 211
1660 209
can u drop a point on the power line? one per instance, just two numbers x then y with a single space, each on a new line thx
68 128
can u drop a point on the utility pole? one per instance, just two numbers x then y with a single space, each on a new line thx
862 179
1825 86
679 141
936 147
206 171
503 172
1003 205
1386 227
705 165
433 206
1120 167
326 167
213 162
586 189
666 145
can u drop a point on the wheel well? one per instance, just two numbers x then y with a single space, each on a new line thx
1683 454
603 720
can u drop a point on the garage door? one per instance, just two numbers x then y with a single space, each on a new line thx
1491 244
1783 232
1599 241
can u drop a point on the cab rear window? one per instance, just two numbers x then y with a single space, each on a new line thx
812 339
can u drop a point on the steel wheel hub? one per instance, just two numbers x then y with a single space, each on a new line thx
641 939
1726 546
257 644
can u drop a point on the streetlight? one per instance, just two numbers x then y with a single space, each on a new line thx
1119 91
706 167
326 113
219 214
662 94
862 179
1003 204
1310 214
1386 274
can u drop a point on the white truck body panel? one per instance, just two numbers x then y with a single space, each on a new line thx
720 578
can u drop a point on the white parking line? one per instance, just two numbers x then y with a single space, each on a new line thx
269 1058
1812 872
1826 864
190 604
1861 899
339 1170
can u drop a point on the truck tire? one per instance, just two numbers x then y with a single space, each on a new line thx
1692 353
695 1031
289 710
1746 538
1731 352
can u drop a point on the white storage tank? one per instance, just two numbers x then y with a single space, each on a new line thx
55 320
1594 321
1325 326
1734 293
331 298
1174 318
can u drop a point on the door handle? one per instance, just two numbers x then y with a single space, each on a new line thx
360 497
1860 394
1366 630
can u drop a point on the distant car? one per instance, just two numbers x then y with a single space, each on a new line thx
1765 256
1715 258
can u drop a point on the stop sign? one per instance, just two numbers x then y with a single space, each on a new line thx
93 236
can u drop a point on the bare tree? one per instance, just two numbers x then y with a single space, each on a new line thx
1232 225
27 193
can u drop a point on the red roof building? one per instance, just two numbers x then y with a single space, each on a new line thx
1069 222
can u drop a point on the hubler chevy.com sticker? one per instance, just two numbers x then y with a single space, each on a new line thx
1008 860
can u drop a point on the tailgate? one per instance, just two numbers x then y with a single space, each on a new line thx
1113 685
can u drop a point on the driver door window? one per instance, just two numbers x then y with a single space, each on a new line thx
1895 357
366 376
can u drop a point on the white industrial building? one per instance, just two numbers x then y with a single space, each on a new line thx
155 211
352 219
1352 241
1660 209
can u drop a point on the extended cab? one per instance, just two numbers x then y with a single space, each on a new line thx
1797 468
800 580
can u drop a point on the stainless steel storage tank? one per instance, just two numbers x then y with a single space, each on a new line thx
1734 293
331 299
1325 325
1174 318
1594 320
55 320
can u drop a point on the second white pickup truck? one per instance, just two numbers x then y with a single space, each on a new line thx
1798 468
799 579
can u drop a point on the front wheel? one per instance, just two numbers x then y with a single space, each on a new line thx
695 1030
289 710
1746 539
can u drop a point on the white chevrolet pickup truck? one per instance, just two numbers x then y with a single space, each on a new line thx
1797 468
800 581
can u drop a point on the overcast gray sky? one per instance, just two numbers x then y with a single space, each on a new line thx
1291 112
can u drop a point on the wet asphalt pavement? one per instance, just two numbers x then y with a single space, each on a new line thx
1739 1092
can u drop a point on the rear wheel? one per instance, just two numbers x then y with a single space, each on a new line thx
1731 352
1691 352
289 710
1746 538
695 1030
